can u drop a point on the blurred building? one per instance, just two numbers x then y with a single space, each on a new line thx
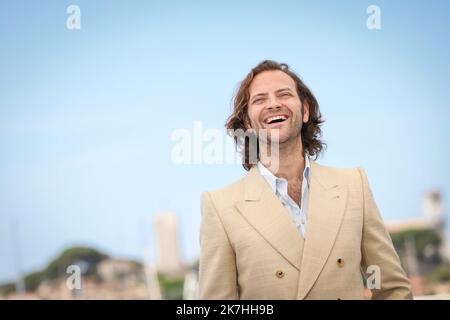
422 243
113 279
126 272
434 212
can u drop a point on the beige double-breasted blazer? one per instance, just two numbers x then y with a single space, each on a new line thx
251 248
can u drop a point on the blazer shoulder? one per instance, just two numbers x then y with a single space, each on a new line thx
228 194
350 175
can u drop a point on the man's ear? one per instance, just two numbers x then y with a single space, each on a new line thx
305 113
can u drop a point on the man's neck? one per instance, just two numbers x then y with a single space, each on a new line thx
291 161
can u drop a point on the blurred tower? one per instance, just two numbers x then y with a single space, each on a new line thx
166 226
433 208
434 213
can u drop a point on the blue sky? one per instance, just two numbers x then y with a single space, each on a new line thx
86 116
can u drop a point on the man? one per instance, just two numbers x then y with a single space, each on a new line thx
300 230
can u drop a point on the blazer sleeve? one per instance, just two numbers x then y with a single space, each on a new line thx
217 267
377 250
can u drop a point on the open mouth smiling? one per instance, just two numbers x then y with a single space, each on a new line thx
275 119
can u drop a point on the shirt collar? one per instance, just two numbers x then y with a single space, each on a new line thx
272 179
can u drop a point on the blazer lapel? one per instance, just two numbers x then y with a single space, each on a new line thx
262 209
327 200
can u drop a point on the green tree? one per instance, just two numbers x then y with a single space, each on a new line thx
422 238
58 266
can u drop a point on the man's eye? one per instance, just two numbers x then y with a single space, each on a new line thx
257 101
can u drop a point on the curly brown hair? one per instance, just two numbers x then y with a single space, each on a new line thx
310 133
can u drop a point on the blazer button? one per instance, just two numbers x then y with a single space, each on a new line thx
280 274
340 262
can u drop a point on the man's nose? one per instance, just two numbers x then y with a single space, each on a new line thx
274 103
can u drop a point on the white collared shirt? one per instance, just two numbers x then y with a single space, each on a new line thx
280 187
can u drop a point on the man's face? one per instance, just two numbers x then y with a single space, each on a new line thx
275 105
